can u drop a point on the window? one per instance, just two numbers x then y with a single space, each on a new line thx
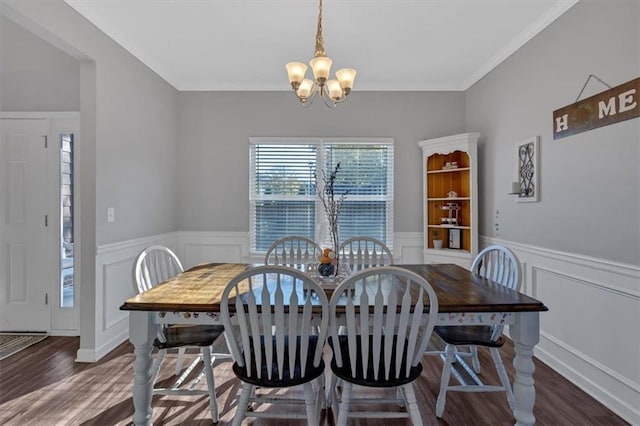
67 275
283 198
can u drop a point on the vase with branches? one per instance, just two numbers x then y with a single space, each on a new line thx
332 204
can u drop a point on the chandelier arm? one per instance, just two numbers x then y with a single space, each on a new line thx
306 102
334 101
341 99
326 99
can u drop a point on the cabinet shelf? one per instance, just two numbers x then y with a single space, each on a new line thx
449 252
449 199
459 169
450 226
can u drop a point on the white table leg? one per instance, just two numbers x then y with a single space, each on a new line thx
142 331
525 334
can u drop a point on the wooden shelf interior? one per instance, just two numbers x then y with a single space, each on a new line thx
444 236
438 187
437 161
436 213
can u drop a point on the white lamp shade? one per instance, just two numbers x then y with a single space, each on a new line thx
305 88
346 77
321 66
296 71
335 91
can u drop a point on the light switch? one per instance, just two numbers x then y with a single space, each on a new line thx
111 214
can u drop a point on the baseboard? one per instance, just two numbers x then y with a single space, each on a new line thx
66 333
86 355
93 355
600 393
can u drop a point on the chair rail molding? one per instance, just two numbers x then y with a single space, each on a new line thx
575 287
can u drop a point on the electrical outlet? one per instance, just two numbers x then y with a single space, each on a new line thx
111 214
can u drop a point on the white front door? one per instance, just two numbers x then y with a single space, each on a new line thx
26 260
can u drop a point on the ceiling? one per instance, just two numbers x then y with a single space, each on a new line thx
399 45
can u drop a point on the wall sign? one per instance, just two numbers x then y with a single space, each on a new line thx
617 104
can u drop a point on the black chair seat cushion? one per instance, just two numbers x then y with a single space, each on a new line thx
288 378
370 379
468 335
189 335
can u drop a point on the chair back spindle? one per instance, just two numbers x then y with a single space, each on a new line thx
389 316
499 264
364 252
273 308
276 321
294 251
154 265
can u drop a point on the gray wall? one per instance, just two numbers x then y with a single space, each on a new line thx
34 75
215 127
127 149
135 123
590 196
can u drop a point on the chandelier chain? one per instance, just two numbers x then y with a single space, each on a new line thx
319 40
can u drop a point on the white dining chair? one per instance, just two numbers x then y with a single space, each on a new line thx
500 265
389 315
271 315
364 252
293 251
157 264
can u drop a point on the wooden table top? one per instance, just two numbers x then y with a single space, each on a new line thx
200 288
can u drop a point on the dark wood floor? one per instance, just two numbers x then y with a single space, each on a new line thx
42 385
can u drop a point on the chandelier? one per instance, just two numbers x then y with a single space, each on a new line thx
332 92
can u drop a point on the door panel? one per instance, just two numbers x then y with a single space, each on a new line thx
25 240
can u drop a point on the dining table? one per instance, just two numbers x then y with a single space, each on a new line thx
464 298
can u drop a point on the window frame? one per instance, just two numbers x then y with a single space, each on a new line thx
320 143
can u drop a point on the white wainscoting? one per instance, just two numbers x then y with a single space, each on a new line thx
207 247
590 333
407 248
114 284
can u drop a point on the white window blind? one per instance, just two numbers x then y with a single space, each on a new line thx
283 199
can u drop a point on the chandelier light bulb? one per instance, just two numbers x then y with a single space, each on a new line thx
296 71
321 66
304 91
335 91
346 77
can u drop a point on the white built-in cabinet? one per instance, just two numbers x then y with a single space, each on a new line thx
450 193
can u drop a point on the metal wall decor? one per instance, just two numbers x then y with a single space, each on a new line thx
528 173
